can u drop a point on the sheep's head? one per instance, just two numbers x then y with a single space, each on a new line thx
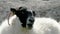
25 16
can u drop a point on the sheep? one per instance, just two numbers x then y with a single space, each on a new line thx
24 22
46 26
22 19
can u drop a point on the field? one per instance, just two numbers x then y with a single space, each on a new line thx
43 8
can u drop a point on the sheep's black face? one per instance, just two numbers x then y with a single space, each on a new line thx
25 16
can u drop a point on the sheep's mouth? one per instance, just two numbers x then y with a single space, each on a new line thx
29 26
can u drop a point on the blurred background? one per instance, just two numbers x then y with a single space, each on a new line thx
43 8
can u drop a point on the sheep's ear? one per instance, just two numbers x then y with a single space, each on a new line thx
13 10
34 13
23 8
20 7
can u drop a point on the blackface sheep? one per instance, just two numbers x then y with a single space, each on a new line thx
24 22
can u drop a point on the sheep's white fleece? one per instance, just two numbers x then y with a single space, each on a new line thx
41 26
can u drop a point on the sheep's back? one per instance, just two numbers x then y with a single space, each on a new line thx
46 26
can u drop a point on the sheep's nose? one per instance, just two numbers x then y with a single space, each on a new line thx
29 25
31 20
